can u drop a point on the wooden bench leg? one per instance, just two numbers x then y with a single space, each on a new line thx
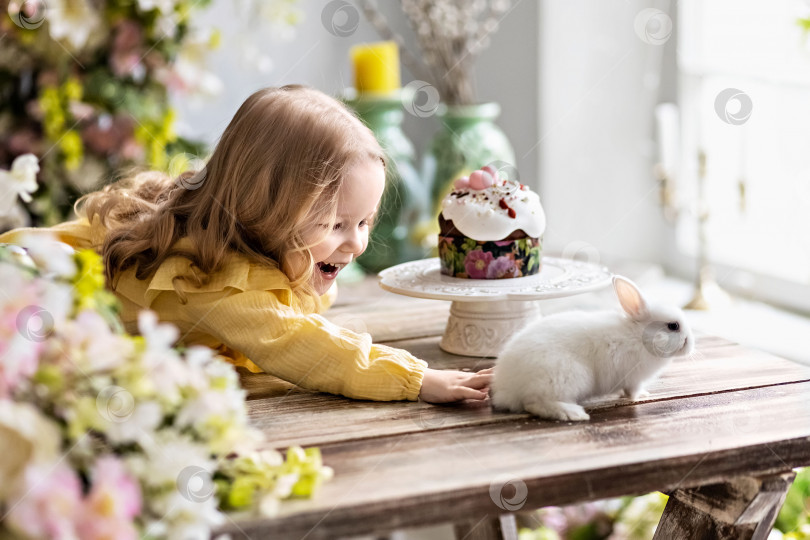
488 528
742 509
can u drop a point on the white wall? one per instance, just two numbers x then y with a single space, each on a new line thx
599 83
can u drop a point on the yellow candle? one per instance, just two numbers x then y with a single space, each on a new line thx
376 67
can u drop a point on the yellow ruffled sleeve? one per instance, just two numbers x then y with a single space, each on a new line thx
306 349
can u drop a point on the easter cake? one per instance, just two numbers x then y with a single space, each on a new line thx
490 228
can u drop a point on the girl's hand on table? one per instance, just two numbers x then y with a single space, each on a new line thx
440 386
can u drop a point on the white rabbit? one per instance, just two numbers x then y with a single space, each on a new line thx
556 362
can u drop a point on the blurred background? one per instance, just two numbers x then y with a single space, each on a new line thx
667 140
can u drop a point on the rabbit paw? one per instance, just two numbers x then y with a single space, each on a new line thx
635 394
557 410
572 411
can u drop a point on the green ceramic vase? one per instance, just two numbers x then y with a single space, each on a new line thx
405 199
468 140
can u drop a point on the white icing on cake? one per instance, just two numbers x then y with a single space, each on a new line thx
480 214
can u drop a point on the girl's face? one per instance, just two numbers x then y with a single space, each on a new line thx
358 198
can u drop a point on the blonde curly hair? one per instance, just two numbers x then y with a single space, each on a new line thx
276 168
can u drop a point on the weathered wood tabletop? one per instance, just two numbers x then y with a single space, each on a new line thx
720 432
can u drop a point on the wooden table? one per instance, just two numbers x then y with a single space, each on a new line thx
720 433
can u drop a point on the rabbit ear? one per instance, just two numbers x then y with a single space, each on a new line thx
630 298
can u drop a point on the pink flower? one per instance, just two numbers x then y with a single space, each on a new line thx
23 328
126 48
502 267
108 134
476 263
112 504
49 503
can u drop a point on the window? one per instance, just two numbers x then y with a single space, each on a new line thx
745 100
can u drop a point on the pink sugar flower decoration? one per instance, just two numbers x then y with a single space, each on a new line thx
481 180
491 170
462 183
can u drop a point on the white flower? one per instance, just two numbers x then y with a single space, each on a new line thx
20 180
167 16
187 518
167 453
25 436
137 427
93 346
167 374
188 73
164 6
198 358
50 255
161 363
285 484
159 337
74 20
281 16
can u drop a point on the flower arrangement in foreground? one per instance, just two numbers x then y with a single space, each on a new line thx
106 435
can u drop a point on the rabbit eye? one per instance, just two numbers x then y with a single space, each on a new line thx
673 327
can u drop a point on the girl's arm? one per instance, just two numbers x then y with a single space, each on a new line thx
310 351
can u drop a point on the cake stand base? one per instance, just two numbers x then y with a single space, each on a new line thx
482 328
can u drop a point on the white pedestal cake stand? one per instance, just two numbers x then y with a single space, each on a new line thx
486 312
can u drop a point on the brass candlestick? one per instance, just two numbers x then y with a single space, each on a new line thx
708 294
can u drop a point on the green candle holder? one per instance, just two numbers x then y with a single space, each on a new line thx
405 198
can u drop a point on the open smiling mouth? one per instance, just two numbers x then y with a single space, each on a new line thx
330 270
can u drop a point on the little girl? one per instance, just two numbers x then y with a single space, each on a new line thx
241 256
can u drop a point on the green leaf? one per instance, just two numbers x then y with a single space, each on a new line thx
796 510
241 493
534 260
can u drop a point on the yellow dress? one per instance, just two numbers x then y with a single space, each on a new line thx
248 313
